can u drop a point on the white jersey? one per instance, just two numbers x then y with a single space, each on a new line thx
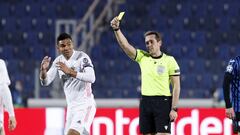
5 95
4 74
78 91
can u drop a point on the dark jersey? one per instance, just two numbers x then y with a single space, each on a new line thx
233 70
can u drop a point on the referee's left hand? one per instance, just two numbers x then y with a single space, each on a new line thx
173 115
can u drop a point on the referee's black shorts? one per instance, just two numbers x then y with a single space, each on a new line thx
154 114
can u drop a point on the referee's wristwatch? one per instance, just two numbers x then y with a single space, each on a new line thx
175 109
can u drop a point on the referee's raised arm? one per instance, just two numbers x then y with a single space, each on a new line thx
122 41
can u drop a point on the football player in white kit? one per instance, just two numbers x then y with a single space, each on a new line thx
6 99
76 72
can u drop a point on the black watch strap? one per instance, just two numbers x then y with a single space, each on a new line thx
116 29
175 109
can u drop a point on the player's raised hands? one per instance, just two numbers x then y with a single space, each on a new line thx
45 63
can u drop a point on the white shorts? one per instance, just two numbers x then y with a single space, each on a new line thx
80 119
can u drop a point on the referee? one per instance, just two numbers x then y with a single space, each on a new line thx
158 105
231 84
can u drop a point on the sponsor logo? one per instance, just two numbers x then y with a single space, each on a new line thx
189 122
166 127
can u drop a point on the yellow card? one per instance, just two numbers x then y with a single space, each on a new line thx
120 16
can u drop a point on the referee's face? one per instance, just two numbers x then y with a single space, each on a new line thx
153 46
65 47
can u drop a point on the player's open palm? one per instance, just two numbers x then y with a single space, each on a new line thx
45 63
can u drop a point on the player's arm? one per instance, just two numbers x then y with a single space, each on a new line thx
44 67
8 104
122 41
228 76
226 89
4 73
47 76
6 95
226 92
7 99
86 74
4 90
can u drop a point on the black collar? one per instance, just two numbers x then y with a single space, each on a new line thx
157 57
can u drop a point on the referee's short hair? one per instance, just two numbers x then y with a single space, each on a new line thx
157 35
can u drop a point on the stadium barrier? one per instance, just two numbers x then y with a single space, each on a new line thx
126 103
120 121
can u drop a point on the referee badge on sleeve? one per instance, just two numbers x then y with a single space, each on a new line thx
177 71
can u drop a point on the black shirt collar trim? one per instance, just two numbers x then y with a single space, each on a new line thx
157 57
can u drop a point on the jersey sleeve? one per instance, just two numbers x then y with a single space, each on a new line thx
86 73
6 96
140 54
230 66
228 76
173 67
4 73
85 61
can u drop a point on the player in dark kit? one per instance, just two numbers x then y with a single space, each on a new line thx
231 91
